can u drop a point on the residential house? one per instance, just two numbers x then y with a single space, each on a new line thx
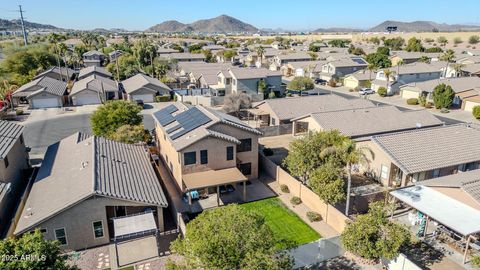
213 48
94 70
467 90
164 51
468 60
272 112
13 165
145 88
84 185
361 124
405 74
94 90
411 57
284 58
43 92
403 158
310 69
246 80
62 74
469 70
254 59
359 79
205 149
114 55
93 58
186 57
341 68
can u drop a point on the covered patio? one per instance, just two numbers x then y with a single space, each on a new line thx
259 117
442 217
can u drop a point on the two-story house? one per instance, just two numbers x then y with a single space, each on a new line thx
342 67
246 80
93 58
205 149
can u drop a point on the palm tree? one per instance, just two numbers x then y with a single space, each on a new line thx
62 50
458 68
399 63
54 38
151 51
387 72
6 90
260 53
371 68
448 56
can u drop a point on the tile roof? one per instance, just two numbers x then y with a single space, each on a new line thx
432 148
252 73
42 84
415 68
84 72
140 80
290 108
294 56
94 83
375 120
93 52
56 70
413 55
467 181
185 55
187 125
9 134
80 167
458 85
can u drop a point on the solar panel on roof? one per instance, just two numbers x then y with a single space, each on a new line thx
189 120
171 109
359 60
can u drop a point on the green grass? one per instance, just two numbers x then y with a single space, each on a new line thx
288 229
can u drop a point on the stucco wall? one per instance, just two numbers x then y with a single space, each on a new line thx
17 160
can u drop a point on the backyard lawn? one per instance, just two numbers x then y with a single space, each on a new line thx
287 227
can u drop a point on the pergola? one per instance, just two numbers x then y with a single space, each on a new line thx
257 114
214 178
457 216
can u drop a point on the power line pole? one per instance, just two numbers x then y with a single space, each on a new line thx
25 40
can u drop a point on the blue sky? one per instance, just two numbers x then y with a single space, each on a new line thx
292 15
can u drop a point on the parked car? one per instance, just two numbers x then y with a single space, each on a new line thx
140 103
320 81
366 91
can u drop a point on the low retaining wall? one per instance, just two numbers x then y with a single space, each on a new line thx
330 214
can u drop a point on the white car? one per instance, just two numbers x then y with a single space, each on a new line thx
366 91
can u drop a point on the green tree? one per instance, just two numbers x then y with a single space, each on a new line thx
394 43
339 43
209 57
448 56
229 238
301 84
373 236
424 59
127 66
45 254
262 87
327 182
442 40
383 50
114 114
313 48
130 134
378 60
196 48
229 54
474 39
434 50
414 45
382 91
443 96
476 112
388 73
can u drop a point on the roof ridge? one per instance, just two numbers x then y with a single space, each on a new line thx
424 129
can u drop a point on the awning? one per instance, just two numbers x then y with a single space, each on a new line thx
213 178
455 215
257 112
135 224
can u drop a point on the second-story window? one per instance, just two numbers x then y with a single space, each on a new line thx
229 152
245 145
189 158
203 156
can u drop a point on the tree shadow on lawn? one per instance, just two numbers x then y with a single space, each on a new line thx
339 263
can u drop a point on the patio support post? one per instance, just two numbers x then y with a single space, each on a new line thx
244 191
466 249
189 197
426 226
218 195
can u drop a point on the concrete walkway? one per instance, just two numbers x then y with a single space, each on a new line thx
325 230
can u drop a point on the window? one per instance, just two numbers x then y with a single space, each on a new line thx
245 145
189 158
229 152
245 168
273 121
21 139
203 157
6 162
171 166
61 236
98 229
436 173
229 81
384 173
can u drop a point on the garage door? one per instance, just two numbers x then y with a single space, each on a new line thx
350 83
45 103
86 99
469 105
144 97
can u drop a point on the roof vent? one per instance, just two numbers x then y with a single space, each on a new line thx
84 164
418 125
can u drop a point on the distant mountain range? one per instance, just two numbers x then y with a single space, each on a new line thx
12 25
422 26
220 24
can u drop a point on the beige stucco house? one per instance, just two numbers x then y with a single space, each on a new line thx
43 92
205 149
145 88
86 184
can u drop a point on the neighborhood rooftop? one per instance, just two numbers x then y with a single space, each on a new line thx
45 84
86 71
432 148
374 120
80 167
9 133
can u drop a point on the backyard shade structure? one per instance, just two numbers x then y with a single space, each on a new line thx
213 178
442 208
135 224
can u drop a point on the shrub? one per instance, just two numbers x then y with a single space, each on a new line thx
476 261
422 100
289 94
19 112
412 101
313 216
267 151
444 110
295 200
332 83
284 189
429 105
162 98
382 91
476 112
175 98
272 95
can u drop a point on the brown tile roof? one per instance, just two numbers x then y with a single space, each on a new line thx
432 148
9 134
